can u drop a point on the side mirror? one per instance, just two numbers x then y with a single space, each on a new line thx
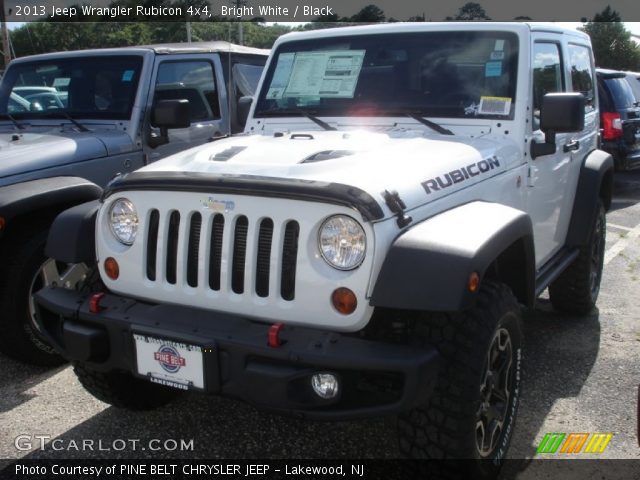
168 114
562 112
244 105
559 113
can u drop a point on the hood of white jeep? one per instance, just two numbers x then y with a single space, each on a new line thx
419 168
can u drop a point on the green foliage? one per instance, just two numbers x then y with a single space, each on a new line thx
369 14
612 44
470 11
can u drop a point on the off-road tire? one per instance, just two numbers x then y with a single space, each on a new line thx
22 257
123 390
445 427
576 289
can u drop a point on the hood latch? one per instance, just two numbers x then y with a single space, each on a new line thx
397 206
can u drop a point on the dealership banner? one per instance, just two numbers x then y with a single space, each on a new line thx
310 10
365 469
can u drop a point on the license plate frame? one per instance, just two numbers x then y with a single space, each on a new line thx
167 362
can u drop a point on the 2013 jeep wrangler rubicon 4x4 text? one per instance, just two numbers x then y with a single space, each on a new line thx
71 121
365 247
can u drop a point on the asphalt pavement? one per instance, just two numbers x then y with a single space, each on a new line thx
581 374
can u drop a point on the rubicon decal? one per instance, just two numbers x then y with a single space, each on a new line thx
169 358
574 443
460 175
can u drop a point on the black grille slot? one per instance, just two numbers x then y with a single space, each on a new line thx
172 246
289 259
152 244
239 254
192 253
215 252
264 257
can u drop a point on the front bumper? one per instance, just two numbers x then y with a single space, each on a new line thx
376 378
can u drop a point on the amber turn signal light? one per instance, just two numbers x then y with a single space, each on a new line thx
344 300
112 268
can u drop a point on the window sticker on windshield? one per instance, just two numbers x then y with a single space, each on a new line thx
281 76
127 75
494 106
493 69
328 74
497 55
499 45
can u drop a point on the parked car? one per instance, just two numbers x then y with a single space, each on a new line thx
71 121
365 248
619 118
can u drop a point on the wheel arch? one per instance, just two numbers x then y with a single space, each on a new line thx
41 200
595 182
428 267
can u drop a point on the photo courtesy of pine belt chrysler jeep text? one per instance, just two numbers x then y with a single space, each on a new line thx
70 122
365 247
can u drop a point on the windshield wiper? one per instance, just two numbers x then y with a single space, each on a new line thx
418 118
65 115
430 124
298 111
13 120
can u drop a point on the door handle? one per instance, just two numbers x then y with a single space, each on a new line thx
574 145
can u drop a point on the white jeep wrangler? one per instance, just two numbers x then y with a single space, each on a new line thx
365 247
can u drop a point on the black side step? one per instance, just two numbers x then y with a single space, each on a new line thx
554 267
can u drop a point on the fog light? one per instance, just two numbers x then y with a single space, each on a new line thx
112 268
325 385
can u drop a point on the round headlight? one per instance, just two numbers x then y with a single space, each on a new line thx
342 242
123 220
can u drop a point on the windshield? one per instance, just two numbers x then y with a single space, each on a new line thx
82 87
438 74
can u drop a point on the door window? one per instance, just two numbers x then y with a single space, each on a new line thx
193 81
581 74
547 75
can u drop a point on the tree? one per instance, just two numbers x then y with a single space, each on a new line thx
369 14
470 11
612 44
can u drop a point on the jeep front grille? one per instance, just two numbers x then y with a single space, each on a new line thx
249 248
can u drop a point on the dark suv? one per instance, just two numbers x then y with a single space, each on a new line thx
619 118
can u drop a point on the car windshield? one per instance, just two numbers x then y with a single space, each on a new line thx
438 74
83 87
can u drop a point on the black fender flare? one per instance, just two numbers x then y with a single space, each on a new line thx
72 236
428 266
595 181
32 196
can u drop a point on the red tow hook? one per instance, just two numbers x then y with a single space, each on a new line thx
94 302
273 337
